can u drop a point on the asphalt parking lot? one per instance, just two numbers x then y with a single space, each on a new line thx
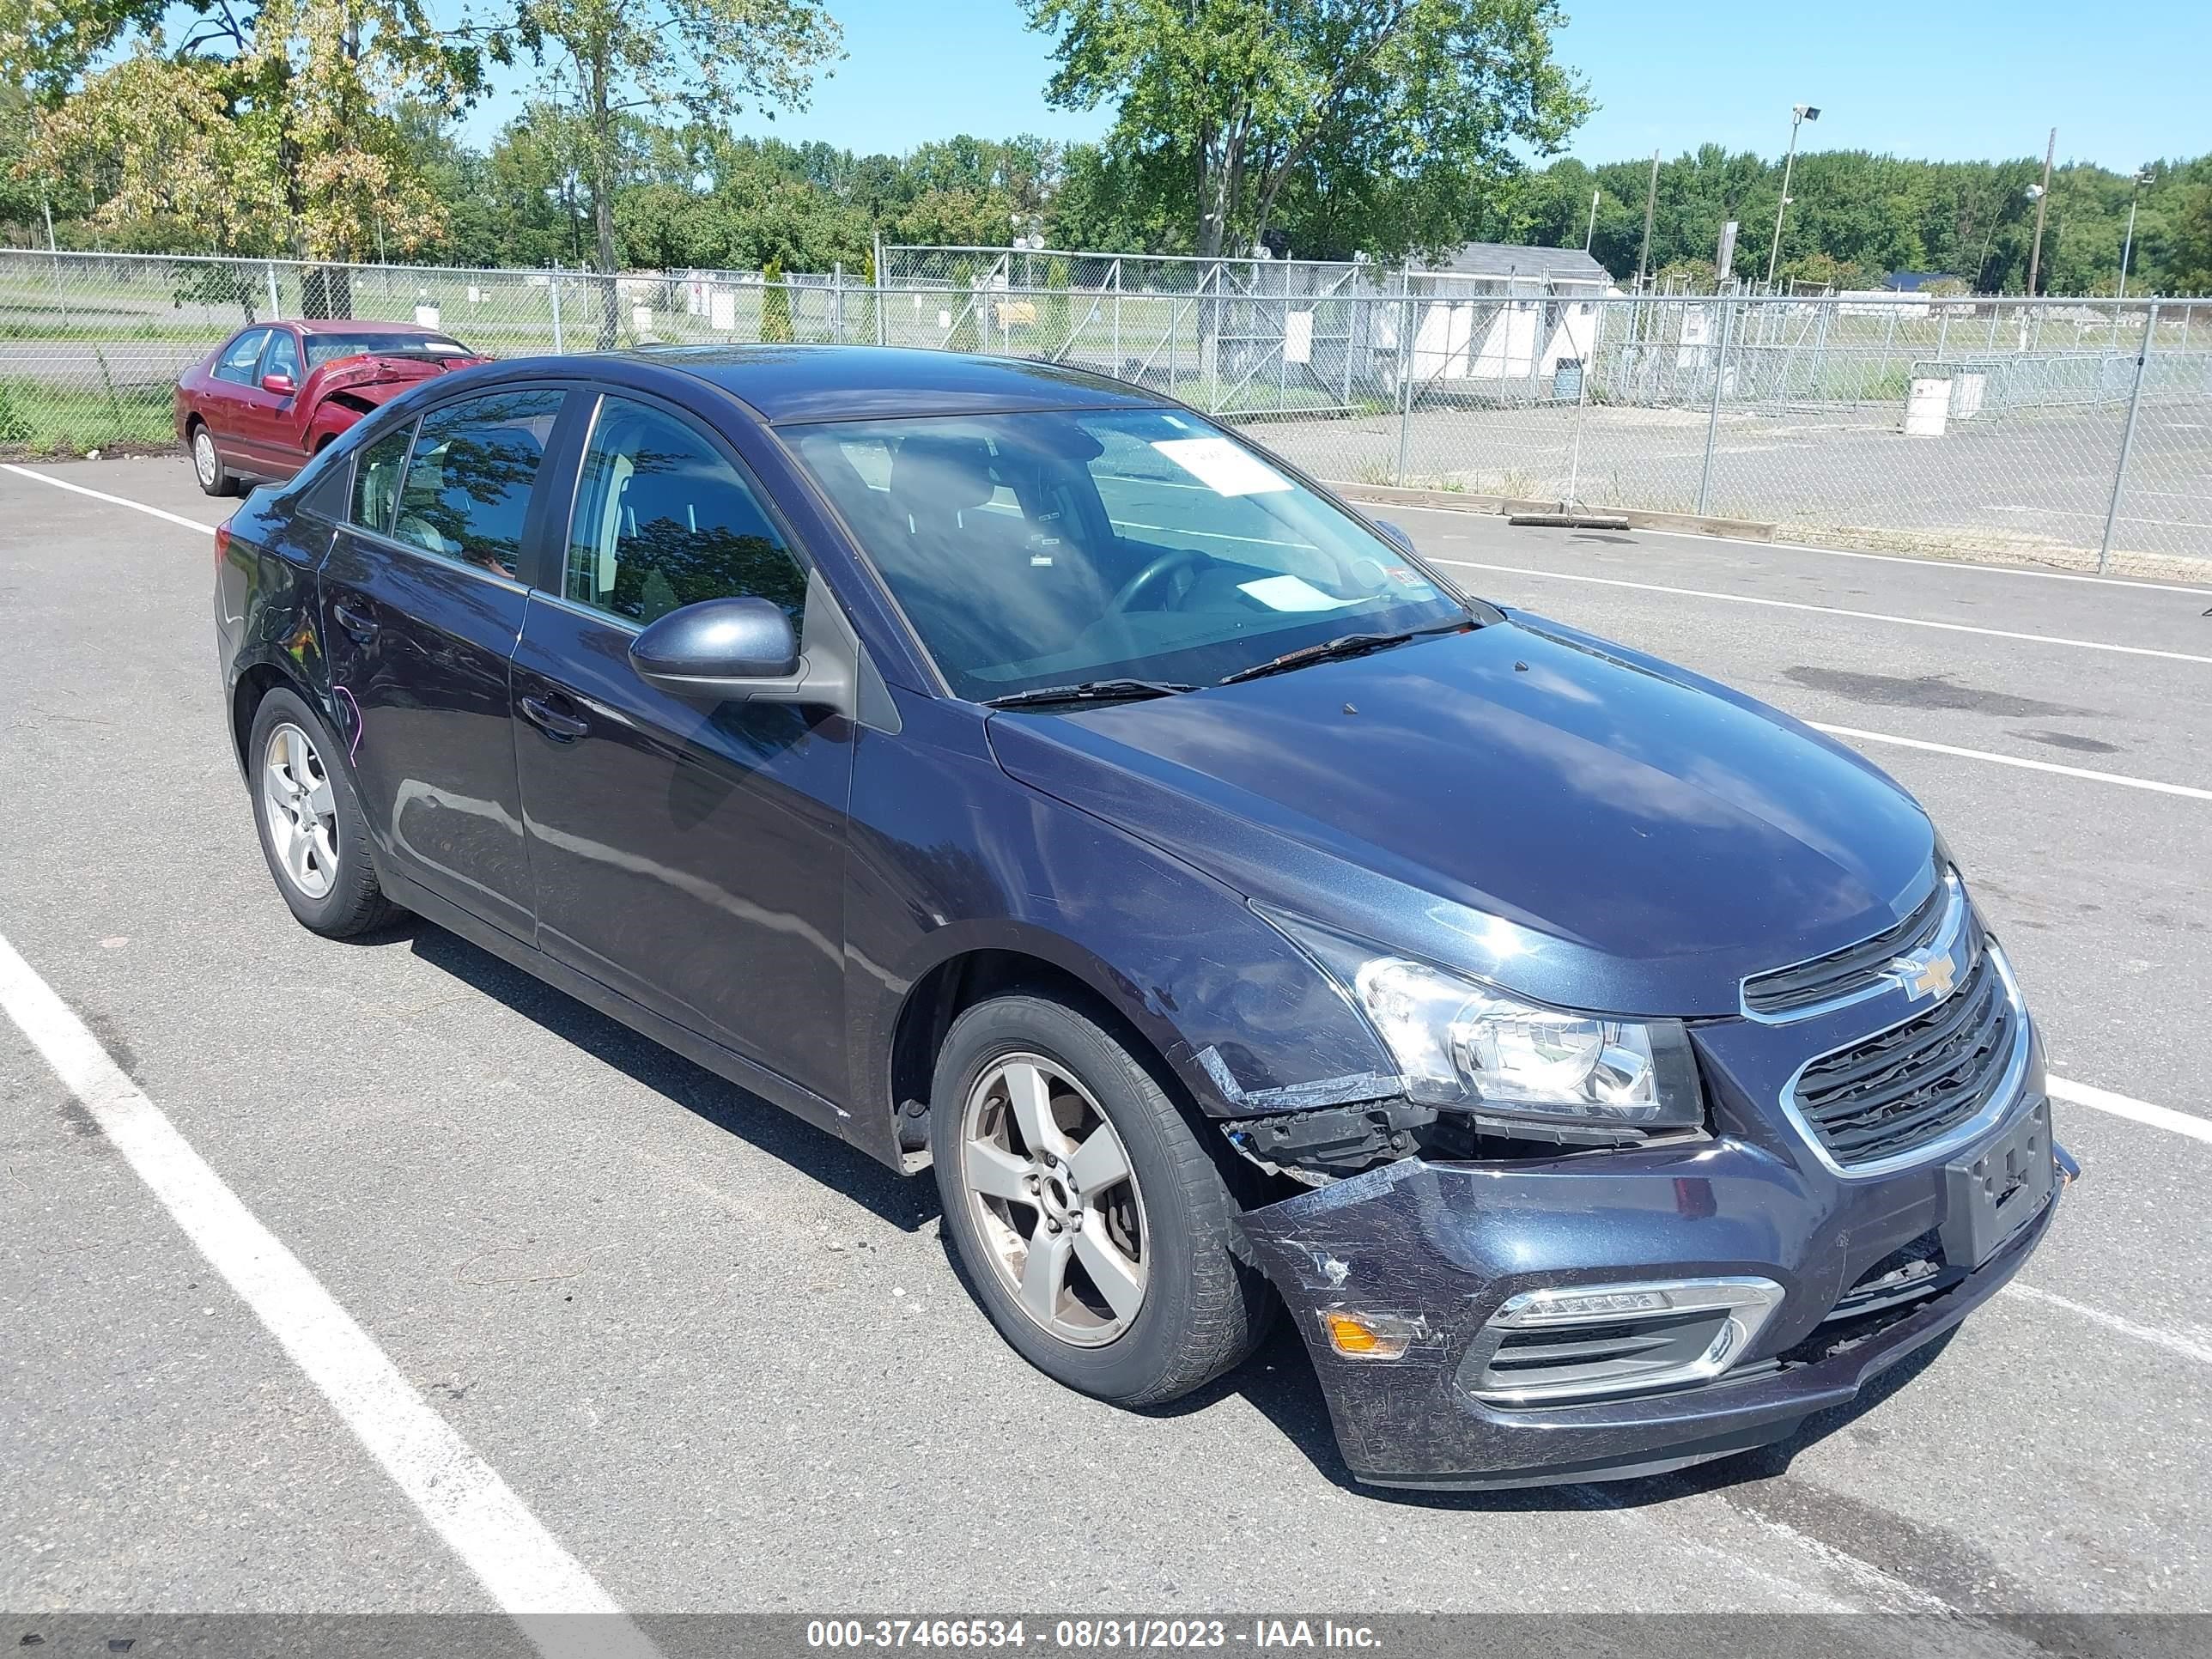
721 1359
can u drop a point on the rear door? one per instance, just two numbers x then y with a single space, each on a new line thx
690 856
421 608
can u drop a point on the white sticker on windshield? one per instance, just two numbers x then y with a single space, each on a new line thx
1222 466
1289 593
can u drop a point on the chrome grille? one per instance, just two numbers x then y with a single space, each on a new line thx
1856 970
1903 1089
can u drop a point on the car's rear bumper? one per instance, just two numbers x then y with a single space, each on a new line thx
1440 1246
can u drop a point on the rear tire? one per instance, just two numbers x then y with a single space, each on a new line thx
1093 1228
310 822
215 478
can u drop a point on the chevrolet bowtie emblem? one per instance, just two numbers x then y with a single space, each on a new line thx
1924 973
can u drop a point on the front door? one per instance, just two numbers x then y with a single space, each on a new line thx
268 421
421 610
689 855
235 403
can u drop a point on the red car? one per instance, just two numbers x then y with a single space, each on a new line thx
274 394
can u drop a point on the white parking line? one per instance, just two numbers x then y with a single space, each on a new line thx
1942 564
2171 1342
2139 1111
102 496
1826 610
2187 791
529 1575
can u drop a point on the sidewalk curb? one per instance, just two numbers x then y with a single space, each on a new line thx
1458 501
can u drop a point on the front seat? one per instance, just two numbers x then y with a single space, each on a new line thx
939 487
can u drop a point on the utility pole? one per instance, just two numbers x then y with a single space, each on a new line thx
2042 207
1799 114
1590 235
2143 176
1650 200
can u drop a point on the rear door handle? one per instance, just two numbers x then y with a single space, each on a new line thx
359 626
559 726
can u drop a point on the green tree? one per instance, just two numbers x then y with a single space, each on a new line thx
1236 99
775 305
707 57
266 128
2183 241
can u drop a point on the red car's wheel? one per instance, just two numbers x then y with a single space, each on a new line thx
207 466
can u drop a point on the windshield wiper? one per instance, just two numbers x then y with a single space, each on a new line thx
1088 691
1345 645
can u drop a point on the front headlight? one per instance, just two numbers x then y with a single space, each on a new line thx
1469 1047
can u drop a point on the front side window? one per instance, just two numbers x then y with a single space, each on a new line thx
1042 550
376 480
283 354
239 358
467 488
662 520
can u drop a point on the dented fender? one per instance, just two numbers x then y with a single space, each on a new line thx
946 860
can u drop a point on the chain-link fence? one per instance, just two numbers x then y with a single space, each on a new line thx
2062 429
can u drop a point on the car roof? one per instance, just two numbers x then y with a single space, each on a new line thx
790 383
359 325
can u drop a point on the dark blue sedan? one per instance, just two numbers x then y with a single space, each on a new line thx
1014 773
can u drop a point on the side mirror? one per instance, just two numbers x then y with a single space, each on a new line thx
279 384
1393 533
719 648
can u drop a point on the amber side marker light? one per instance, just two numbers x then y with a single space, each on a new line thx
1365 1335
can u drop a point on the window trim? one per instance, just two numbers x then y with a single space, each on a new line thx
552 583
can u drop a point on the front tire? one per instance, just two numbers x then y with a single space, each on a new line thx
214 477
1095 1232
310 822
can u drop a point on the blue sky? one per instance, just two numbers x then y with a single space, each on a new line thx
2123 83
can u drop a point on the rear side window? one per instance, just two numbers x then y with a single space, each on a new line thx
239 357
662 520
467 488
376 480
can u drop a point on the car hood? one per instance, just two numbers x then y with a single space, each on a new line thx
1567 817
379 379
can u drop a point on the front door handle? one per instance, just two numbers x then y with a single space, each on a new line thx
559 726
355 623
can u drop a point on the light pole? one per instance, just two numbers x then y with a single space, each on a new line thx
1799 114
1590 235
2143 176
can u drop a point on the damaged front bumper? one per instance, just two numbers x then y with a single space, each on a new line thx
1444 1259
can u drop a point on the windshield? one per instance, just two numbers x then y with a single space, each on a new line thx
329 348
1042 549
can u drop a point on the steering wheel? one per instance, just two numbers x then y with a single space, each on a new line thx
1141 584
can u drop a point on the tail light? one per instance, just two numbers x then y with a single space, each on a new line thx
221 543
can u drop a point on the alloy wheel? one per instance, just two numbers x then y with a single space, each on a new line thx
300 811
204 462
1054 1199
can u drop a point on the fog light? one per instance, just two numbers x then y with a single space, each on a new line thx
1585 1342
1368 1335
1572 1307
